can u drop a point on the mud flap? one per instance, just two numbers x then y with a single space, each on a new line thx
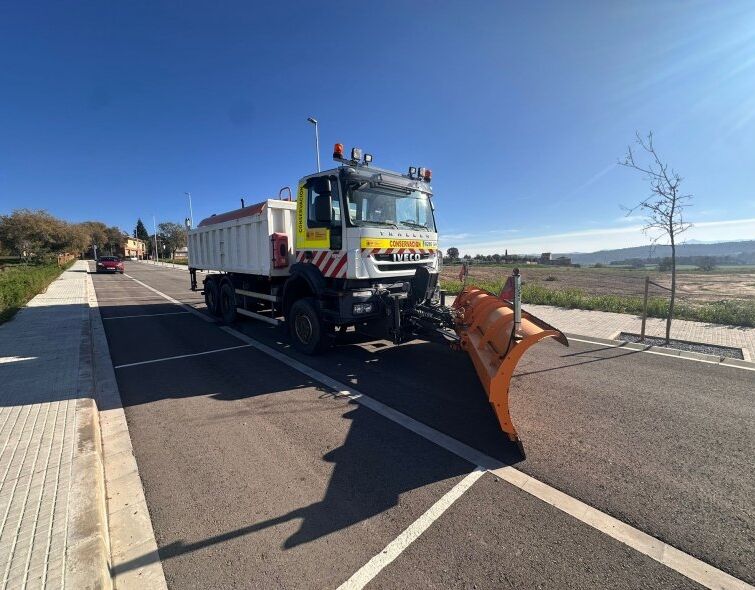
487 332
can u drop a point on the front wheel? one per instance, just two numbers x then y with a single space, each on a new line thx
308 332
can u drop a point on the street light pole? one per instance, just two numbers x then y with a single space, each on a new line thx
154 225
191 212
317 139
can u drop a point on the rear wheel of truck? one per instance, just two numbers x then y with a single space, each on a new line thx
211 296
308 332
228 303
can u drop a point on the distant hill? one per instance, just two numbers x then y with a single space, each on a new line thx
743 251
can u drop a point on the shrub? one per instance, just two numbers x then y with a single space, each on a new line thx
21 282
707 264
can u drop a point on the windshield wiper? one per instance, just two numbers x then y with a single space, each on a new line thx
414 225
381 223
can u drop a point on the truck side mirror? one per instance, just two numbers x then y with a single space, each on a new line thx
324 208
320 184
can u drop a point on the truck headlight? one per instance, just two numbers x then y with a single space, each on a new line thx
362 308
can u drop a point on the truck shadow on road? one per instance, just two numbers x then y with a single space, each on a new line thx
424 380
379 465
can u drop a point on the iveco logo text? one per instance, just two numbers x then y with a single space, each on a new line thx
405 257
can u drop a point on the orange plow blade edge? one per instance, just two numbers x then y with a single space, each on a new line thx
487 331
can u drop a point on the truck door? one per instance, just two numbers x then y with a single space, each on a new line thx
319 219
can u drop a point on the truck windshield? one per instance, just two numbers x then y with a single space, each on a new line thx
380 206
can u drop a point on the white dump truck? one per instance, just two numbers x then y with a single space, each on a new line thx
358 248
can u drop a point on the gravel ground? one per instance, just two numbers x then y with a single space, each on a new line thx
734 353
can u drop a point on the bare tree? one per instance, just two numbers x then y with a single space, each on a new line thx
663 209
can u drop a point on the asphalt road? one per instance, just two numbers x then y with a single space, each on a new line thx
258 476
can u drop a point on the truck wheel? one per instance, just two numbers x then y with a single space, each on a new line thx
308 332
211 296
228 303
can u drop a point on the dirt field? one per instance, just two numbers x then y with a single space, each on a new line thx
693 286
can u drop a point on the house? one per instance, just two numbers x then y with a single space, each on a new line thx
547 259
134 248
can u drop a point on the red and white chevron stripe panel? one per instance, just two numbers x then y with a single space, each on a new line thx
331 264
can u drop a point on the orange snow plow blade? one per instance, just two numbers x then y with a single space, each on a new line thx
487 331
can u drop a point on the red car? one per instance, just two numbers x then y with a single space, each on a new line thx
109 264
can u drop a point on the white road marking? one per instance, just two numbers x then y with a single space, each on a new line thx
169 298
671 557
129 298
375 565
687 565
180 356
15 359
660 353
145 315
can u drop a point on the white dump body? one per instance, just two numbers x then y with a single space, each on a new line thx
240 241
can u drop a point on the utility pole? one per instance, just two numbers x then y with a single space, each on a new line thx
317 139
191 212
154 225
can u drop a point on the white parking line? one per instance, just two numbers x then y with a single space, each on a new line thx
15 359
180 356
145 315
687 565
128 298
396 547
169 298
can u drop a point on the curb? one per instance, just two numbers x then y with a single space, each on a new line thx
87 541
662 350
134 558
174 266
165 264
87 550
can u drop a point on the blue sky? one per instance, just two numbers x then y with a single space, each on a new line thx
113 110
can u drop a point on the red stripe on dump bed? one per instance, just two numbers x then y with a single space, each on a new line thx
235 214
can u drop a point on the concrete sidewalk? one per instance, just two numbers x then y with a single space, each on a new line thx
53 525
603 324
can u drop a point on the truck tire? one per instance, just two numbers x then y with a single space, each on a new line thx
308 332
227 303
211 296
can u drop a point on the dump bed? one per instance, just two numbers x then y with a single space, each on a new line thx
239 241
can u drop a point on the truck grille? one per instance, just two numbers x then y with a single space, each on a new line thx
401 266
392 257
